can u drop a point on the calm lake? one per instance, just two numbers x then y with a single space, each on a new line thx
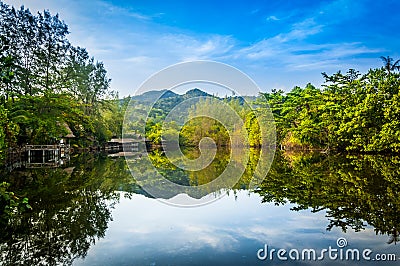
314 208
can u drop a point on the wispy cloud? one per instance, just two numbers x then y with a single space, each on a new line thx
112 9
185 47
281 43
328 55
274 18
254 11
138 59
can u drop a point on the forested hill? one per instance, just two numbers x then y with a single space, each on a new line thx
168 95
165 99
153 96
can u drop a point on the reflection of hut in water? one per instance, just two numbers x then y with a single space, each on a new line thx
125 144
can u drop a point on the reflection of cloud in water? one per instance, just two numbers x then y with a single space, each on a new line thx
144 227
205 235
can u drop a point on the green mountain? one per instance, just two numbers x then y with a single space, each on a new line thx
195 93
152 96
165 104
160 103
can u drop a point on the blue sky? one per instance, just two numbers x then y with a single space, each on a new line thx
279 44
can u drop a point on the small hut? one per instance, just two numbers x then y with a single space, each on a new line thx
65 139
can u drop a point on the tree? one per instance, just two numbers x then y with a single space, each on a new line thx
52 47
352 112
46 82
390 64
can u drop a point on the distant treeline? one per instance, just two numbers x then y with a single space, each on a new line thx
351 112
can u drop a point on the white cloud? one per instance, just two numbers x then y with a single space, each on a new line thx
138 59
185 47
274 18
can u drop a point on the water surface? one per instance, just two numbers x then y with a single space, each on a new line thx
95 213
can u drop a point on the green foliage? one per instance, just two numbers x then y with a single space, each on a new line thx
228 122
390 64
3 141
352 112
253 130
41 119
154 131
10 204
8 132
200 127
366 110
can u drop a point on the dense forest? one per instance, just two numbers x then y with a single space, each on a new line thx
48 89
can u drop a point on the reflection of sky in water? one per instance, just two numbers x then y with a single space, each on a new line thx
227 232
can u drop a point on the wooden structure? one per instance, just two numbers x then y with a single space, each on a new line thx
38 156
46 155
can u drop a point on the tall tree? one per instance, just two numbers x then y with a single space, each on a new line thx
49 81
53 45
390 64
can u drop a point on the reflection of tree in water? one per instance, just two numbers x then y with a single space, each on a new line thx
354 190
70 211
394 236
158 167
